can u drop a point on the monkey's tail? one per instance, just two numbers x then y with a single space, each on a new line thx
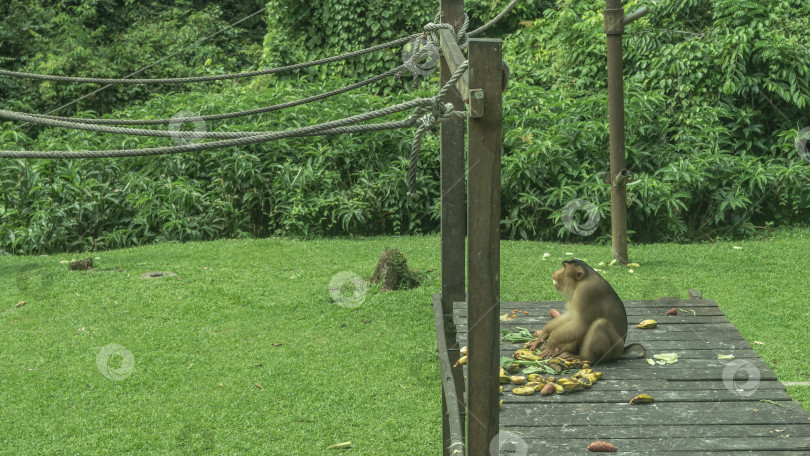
639 350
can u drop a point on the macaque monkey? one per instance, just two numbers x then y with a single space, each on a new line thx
594 324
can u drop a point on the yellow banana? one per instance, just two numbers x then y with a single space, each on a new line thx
647 324
536 378
523 391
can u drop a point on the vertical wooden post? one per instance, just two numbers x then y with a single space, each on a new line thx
614 27
452 179
453 189
483 224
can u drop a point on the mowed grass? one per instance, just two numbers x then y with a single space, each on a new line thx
241 313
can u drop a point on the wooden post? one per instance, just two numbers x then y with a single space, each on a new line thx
483 233
452 180
453 189
614 27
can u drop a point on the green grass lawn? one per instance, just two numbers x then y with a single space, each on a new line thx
241 313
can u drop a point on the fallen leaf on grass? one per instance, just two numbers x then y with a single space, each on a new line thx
258 386
21 303
340 446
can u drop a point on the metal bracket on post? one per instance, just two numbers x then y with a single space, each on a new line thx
614 21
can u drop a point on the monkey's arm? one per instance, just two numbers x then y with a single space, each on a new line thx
565 337
543 334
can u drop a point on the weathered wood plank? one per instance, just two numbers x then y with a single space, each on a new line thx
621 431
664 329
454 58
671 413
539 320
483 244
628 303
602 395
721 346
453 224
686 445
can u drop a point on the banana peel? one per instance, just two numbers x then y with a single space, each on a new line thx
642 399
647 324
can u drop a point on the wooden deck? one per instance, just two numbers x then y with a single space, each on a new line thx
703 405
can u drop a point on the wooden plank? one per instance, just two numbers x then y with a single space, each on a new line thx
698 394
628 304
453 57
621 431
652 385
686 445
671 413
451 400
453 229
721 346
483 224
453 197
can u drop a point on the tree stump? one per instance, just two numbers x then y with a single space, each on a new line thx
393 272
82 265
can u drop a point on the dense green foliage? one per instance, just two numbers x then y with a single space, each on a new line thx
114 39
300 30
308 187
716 93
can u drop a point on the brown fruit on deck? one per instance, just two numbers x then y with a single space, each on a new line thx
601 446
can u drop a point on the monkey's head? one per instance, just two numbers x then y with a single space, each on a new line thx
566 278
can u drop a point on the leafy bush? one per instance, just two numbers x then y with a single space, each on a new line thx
715 98
309 187
112 39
